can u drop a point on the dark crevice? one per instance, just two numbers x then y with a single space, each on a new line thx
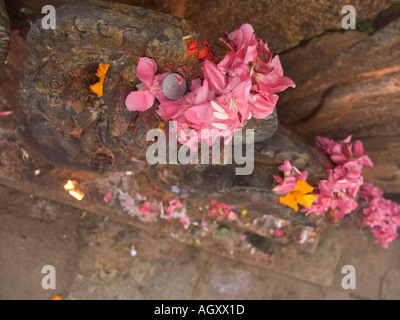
318 107
386 16
368 26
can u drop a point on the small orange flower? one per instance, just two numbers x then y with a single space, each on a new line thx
101 73
299 195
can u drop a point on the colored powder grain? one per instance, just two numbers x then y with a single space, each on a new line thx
192 47
205 52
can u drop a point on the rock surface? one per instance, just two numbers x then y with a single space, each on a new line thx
348 84
284 24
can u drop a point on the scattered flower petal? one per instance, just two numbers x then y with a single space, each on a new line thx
101 74
133 252
107 197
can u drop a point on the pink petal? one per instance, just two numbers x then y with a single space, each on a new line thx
348 139
286 186
262 106
201 93
215 76
273 83
198 114
323 143
232 84
107 197
139 100
170 110
232 216
358 149
286 168
276 63
367 161
196 83
145 208
226 63
251 55
338 158
6 113
145 70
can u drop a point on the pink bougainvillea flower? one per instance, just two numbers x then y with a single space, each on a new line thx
242 85
339 191
215 76
232 215
290 176
219 209
341 153
333 194
381 215
262 105
145 208
243 46
107 197
144 97
176 210
173 204
227 112
198 95
5 113
270 77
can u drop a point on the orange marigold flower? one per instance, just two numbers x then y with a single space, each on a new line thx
101 73
299 195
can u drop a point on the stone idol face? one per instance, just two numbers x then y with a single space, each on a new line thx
65 122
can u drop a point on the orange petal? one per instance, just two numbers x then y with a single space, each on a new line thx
304 199
97 88
303 187
290 201
102 70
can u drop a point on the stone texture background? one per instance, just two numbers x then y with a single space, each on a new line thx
347 80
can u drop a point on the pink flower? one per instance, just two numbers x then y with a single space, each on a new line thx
261 105
382 216
219 209
5 113
198 95
334 193
144 208
143 98
173 204
107 197
243 46
226 113
338 192
232 216
242 85
341 153
173 213
269 77
290 176
215 76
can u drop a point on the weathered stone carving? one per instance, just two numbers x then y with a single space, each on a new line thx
66 124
